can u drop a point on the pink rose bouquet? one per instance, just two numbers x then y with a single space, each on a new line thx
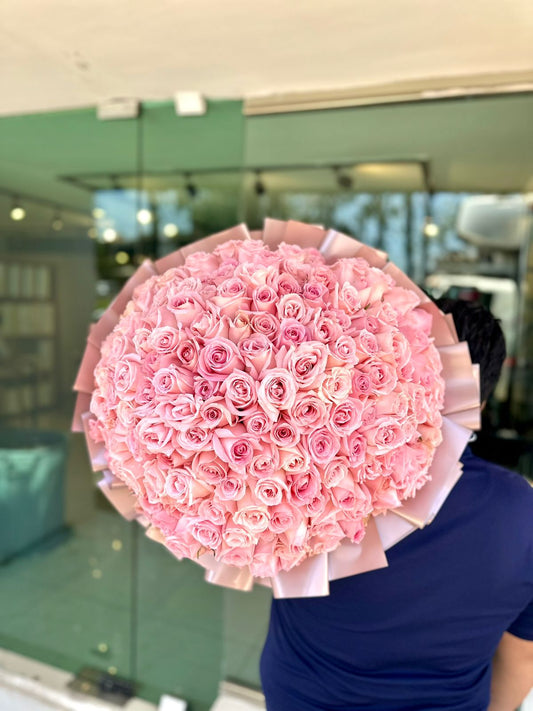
262 406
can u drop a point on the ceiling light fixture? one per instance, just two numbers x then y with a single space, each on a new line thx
190 187
259 185
57 221
344 180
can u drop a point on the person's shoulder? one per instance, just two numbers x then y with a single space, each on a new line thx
507 488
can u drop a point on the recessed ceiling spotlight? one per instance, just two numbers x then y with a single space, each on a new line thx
17 213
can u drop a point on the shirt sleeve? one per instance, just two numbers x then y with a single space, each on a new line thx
523 625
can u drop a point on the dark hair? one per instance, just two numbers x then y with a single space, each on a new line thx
484 336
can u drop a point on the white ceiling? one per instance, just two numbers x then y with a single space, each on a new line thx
57 54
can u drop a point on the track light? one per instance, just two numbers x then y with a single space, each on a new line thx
57 221
190 187
259 185
17 211
344 180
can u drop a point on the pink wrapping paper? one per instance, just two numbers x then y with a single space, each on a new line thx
310 578
392 529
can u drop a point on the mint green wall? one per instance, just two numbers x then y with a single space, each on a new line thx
483 144
215 140
35 150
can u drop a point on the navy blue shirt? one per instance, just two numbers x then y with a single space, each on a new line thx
420 634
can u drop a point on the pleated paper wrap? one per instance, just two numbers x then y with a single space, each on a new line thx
461 415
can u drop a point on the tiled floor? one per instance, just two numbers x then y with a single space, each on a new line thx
106 596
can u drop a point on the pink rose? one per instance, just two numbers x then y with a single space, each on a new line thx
401 349
240 393
303 487
164 340
257 424
154 436
283 517
276 392
182 488
166 381
232 488
266 463
210 325
293 460
353 498
192 439
234 446
181 411
346 417
308 412
384 495
201 263
354 446
204 389
384 435
354 529
325 329
237 537
231 297
252 517
307 363
214 413
336 385
239 327
154 482
402 300
395 404
322 445
186 306
128 378
366 343
286 284
284 434
349 299
265 323
361 383
294 307
342 352
218 358
315 293
264 298
239 557
206 533
187 353
256 351
383 375
334 472
270 490
207 467
291 332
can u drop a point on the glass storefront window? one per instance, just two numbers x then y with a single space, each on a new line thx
79 586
